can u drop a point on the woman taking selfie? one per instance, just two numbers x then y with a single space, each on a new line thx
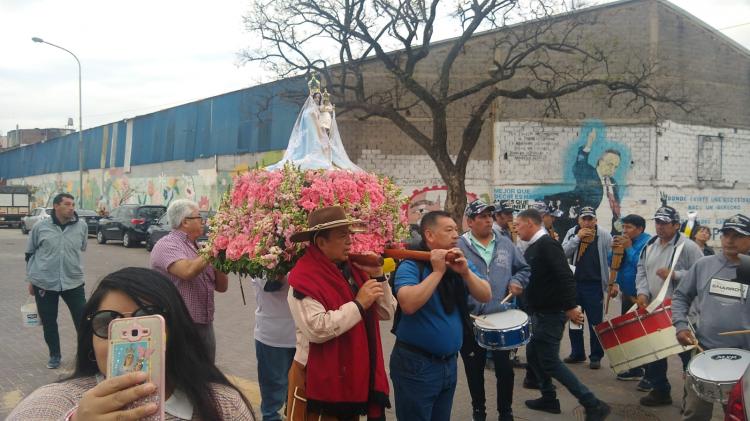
195 389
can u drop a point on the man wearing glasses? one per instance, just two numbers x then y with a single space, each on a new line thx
176 256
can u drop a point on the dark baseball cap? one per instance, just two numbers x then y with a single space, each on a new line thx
667 214
476 207
739 223
588 211
544 209
504 206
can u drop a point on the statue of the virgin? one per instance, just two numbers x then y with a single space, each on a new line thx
315 142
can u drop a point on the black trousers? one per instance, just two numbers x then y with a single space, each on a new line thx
474 357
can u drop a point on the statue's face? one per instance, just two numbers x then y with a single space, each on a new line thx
608 164
317 97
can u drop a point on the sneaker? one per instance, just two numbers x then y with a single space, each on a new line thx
644 385
54 362
631 375
530 383
551 405
657 398
595 365
598 412
573 360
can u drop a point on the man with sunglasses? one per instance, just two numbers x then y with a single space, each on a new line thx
176 256
54 269
720 300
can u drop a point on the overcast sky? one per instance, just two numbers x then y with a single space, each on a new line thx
141 56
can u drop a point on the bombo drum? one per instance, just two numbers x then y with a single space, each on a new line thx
502 331
712 374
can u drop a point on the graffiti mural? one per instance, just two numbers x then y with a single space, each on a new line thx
428 199
593 175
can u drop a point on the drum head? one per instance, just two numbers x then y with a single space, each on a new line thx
507 319
720 364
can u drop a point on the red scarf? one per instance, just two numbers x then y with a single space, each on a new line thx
346 375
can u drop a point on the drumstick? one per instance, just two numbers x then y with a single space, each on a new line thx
507 297
735 332
480 320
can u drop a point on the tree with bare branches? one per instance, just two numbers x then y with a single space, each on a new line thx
380 58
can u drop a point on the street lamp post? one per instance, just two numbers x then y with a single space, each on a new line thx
80 120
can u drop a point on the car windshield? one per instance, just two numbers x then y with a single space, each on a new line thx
85 212
151 213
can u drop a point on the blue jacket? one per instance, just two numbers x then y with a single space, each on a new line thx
507 266
629 265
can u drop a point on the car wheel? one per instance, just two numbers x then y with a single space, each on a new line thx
23 229
100 237
127 241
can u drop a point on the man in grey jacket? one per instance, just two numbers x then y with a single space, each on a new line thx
592 276
720 301
501 263
653 268
54 269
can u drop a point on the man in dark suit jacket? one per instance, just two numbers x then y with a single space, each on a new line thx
551 296
592 184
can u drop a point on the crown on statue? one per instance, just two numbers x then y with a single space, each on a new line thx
326 96
313 84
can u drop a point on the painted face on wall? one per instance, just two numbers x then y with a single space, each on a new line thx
608 164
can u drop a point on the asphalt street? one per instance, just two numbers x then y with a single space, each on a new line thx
24 354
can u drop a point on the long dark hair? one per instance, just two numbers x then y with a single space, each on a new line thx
188 367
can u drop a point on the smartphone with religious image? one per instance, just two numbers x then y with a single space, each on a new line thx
139 344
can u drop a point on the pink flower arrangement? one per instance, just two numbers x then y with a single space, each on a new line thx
250 232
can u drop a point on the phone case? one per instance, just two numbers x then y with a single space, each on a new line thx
139 344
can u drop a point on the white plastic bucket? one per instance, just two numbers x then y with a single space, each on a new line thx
29 315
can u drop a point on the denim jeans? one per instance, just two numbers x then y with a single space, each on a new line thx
46 305
656 372
423 387
590 296
273 372
474 357
543 355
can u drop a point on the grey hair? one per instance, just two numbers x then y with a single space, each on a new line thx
179 210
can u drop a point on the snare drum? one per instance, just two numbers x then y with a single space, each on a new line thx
639 337
502 331
712 374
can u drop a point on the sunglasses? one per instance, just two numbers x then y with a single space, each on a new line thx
101 319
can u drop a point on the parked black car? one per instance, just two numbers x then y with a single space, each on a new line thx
161 228
91 218
128 223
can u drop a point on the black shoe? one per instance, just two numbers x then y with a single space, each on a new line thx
598 412
656 398
595 365
631 375
573 360
550 405
478 415
530 384
644 385
506 416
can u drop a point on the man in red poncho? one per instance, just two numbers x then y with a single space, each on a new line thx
338 371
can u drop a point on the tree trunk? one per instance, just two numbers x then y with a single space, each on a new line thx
455 202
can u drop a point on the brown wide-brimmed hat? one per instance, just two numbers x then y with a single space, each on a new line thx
323 219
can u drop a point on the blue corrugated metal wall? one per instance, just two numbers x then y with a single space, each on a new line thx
256 119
